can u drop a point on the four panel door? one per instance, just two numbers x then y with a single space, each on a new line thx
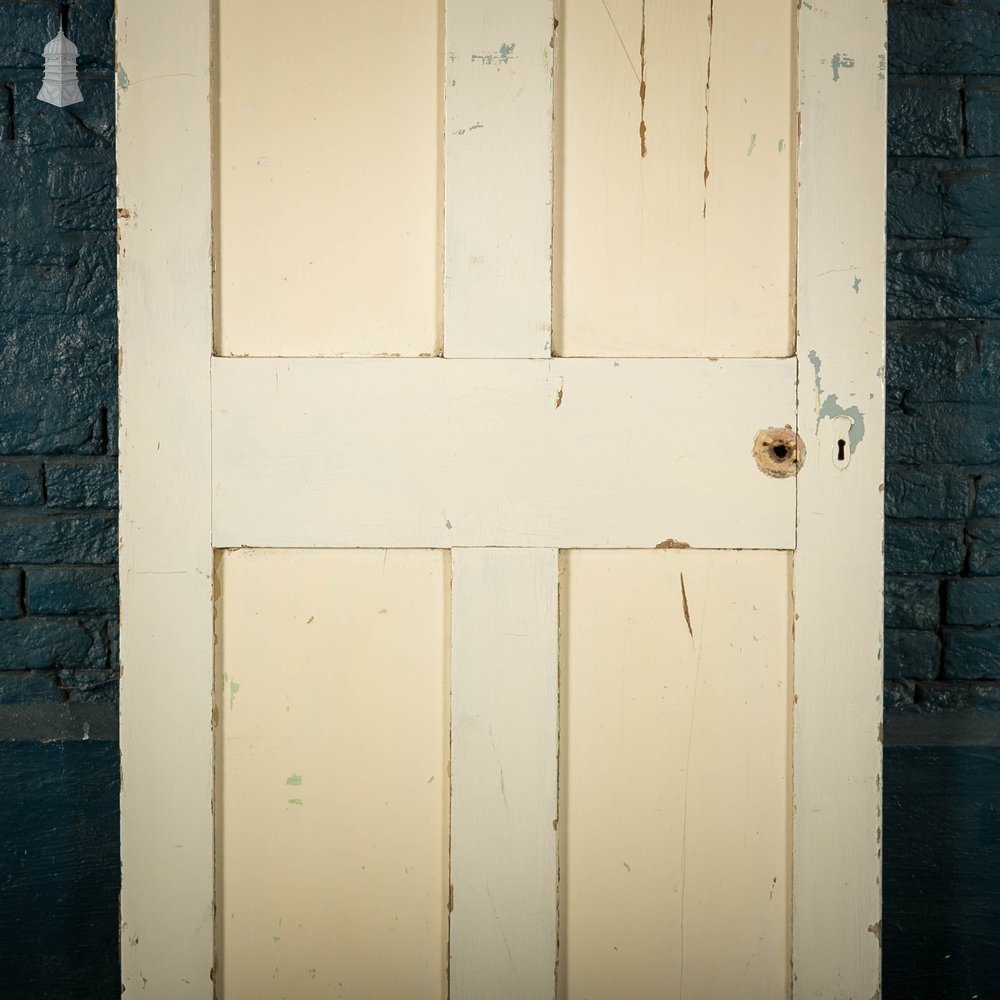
512 545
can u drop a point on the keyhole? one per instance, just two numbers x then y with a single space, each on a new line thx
841 445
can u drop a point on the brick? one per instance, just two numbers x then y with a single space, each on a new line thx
958 280
26 29
942 696
82 195
66 376
971 203
81 484
912 602
984 548
926 492
914 206
10 593
20 484
87 539
983 122
40 644
911 654
71 591
934 365
89 125
25 687
95 687
924 547
924 121
943 39
972 654
25 208
973 602
91 25
988 495
944 434
896 695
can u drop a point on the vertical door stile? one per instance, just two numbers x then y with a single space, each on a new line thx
167 645
504 664
836 911
504 750
498 178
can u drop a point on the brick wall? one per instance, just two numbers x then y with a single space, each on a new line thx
942 546
59 868
58 476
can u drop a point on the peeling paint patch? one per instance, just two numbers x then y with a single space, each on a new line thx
642 85
672 543
753 144
294 779
123 80
448 524
838 61
781 145
856 285
832 408
295 802
234 688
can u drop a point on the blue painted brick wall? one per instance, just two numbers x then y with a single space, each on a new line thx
58 364
942 547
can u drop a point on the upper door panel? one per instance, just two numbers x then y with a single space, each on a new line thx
327 158
674 195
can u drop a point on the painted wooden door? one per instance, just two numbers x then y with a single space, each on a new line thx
502 449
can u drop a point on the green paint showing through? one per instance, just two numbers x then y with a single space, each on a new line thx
430 779
295 802
753 144
781 145
839 62
294 779
831 408
857 285
234 688
628 867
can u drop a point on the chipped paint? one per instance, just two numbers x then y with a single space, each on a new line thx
294 779
295 802
831 408
753 144
234 688
708 88
856 285
672 543
642 85
828 407
781 145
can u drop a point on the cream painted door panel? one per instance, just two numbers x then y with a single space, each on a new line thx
468 651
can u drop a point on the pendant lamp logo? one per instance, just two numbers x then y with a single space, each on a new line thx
60 86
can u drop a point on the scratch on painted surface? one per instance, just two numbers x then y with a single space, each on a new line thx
503 933
684 605
708 87
621 41
838 61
